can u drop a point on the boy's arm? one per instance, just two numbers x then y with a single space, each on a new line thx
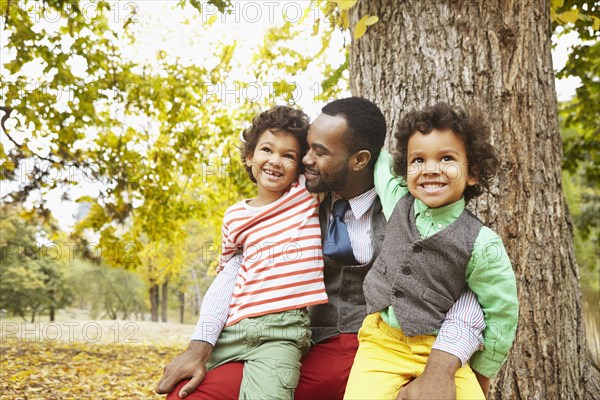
491 277
215 304
460 336
213 316
390 188
461 333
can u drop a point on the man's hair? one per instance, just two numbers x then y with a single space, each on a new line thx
277 119
366 124
470 126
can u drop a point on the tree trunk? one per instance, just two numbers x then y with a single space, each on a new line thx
164 301
181 306
495 55
154 302
52 311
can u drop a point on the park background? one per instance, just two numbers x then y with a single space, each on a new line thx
118 154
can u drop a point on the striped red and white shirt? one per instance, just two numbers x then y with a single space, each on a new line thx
280 242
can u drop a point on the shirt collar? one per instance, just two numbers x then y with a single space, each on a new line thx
448 212
359 204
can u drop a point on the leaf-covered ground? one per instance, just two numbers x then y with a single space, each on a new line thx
62 370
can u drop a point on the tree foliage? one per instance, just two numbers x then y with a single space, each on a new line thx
32 275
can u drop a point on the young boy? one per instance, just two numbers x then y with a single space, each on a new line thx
432 248
279 237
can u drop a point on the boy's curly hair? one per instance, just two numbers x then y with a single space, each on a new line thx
277 119
471 127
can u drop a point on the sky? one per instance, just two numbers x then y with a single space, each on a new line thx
182 33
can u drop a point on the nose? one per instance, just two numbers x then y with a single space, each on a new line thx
309 158
274 159
431 168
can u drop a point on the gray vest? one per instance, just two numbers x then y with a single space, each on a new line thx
420 278
346 309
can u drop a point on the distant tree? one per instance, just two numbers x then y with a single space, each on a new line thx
32 276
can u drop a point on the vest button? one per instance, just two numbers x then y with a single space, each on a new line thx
344 311
344 297
417 248
399 293
406 271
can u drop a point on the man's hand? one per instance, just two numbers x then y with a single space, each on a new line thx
437 380
190 364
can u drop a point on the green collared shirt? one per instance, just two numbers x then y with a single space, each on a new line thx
489 273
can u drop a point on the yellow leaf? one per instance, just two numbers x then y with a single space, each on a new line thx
315 31
553 15
570 16
557 4
346 4
371 20
360 29
595 23
211 20
344 20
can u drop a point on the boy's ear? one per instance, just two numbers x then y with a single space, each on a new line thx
360 159
473 177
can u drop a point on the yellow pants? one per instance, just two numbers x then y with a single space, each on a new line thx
387 360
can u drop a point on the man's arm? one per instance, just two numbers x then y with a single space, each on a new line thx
213 316
460 336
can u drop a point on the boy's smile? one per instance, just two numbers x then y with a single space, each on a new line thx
437 171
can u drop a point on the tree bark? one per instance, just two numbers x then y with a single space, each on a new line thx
153 292
495 55
164 301
181 306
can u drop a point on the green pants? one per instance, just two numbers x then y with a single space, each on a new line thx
271 347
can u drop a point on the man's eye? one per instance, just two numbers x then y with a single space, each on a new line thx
268 150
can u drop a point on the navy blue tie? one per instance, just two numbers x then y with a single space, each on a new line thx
337 242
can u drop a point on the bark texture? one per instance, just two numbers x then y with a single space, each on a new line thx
495 55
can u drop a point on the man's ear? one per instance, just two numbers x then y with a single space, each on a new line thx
360 160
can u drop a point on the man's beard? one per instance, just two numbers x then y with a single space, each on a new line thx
330 183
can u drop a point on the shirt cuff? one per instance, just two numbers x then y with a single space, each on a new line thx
207 330
458 340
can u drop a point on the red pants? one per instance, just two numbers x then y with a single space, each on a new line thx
324 374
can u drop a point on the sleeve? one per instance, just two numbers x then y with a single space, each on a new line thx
390 188
228 247
215 305
461 332
491 277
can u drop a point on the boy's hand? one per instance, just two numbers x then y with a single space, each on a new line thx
484 382
190 364
436 381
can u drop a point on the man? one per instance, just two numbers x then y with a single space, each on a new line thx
344 143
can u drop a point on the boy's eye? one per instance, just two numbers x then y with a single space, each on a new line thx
416 160
268 150
447 158
290 156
